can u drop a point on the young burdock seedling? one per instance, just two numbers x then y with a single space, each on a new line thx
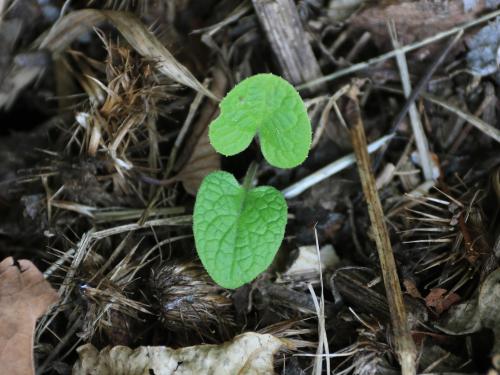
238 228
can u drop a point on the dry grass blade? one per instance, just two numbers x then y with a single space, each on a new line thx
486 128
144 42
70 27
3 6
323 346
416 124
179 220
405 347
236 14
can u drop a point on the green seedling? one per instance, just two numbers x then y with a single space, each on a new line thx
269 107
238 229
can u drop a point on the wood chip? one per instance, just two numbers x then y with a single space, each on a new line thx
281 23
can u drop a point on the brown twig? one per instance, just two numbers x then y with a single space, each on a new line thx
405 347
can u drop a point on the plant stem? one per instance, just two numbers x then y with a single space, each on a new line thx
404 345
250 176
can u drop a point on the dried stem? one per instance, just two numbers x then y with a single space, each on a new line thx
329 170
250 176
410 98
475 121
416 124
405 347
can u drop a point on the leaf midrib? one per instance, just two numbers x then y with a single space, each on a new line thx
237 226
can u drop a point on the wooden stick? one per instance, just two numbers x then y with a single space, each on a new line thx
405 347
281 23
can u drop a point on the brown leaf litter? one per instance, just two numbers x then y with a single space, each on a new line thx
24 296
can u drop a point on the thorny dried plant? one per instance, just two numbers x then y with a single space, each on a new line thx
369 353
445 234
109 307
187 300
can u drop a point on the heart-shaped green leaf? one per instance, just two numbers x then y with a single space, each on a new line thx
269 106
237 231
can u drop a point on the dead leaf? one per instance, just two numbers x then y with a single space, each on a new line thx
412 289
307 260
249 353
203 161
202 158
24 296
440 301
481 312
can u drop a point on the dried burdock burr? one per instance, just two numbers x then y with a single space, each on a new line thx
447 236
187 300
111 309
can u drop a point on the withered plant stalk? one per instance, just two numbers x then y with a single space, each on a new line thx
405 347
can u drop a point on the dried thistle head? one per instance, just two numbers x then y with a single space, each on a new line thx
187 299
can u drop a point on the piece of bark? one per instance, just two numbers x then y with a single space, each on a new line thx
24 296
281 23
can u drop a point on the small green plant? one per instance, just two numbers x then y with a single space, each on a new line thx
238 229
